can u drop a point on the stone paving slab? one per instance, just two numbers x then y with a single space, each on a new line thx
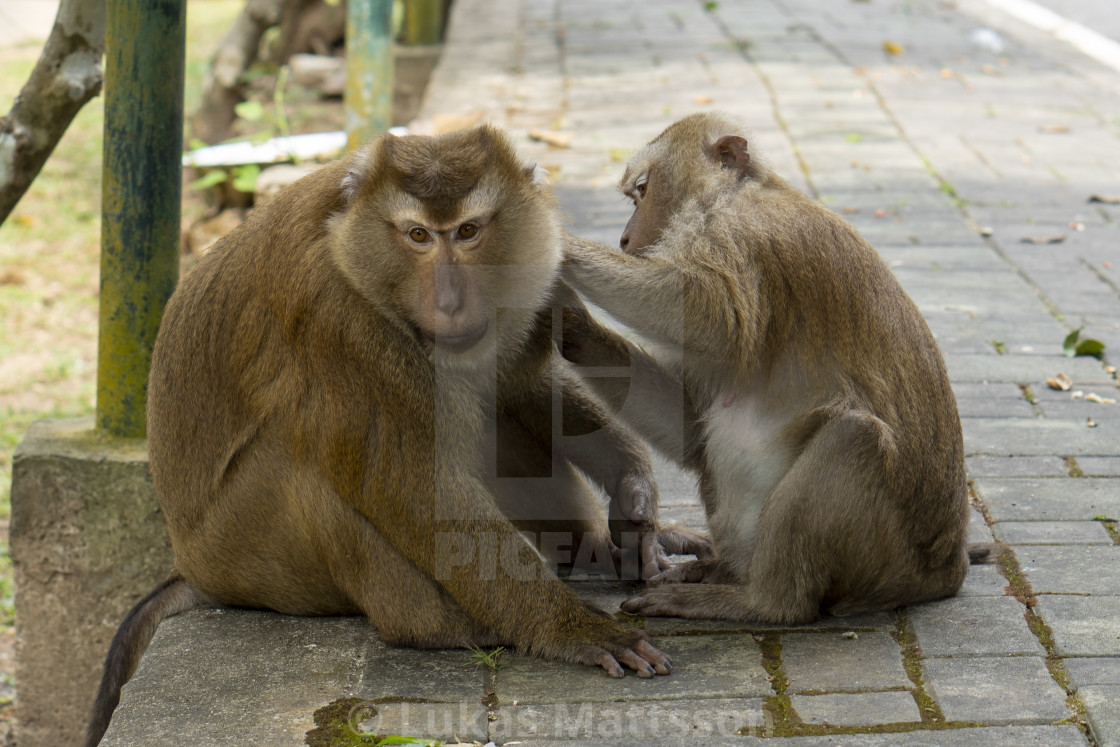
709 666
831 661
1018 437
1050 499
1032 369
857 709
724 718
1100 466
875 621
1064 735
995 690
1072 569
973 625
1082 626
1052 533
1103 704
1094 670
1015 466
983 581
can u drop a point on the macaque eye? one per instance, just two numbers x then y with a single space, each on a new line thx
467 231
640 186
419 235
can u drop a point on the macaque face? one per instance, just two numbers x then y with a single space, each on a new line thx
445 234
650 213
452 303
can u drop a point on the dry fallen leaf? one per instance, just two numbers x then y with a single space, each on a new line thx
880 213
555 139
894 48
1112 199
702 100
1043 239
1076 226
1110 369
1054 129
985 230
1077 394
442 123
850 211
1090 423
1060 381
1094 397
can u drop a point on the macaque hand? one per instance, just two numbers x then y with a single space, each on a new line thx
617 646
633 514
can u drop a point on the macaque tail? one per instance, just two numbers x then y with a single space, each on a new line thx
171 597
979 553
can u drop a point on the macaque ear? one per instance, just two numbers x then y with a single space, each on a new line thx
731 152
357 172
538 175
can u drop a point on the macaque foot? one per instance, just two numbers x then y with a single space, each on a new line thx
643 657
679 600
678 540
694 572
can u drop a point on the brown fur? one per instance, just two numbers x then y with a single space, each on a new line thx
810 395
322 435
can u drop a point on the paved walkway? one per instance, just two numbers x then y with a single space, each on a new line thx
959 165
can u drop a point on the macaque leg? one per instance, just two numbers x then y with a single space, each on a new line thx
562 517
406 606
829 505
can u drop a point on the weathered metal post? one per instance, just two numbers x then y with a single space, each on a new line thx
141 193
369 69
423 21
87 535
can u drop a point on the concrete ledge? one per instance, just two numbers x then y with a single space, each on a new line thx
87 541
255 677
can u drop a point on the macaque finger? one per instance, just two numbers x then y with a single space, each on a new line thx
635 499
663 562
641 667
611 665
651 554
662 662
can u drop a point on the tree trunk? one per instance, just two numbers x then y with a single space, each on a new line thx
67 75
223 89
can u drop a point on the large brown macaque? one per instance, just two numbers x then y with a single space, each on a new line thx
351 411
785 366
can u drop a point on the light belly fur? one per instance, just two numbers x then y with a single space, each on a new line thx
746 461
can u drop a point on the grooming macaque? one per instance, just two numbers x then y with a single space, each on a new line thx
789 370
351 411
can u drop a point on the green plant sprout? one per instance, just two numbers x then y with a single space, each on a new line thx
1074 344
491 660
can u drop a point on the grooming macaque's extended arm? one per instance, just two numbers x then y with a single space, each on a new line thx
644 394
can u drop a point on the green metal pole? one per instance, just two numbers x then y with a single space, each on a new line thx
423 21
369 69
145 43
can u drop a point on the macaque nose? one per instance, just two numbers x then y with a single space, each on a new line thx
449 289
624 241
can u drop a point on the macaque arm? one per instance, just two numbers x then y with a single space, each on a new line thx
646 395
457 535
646 293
